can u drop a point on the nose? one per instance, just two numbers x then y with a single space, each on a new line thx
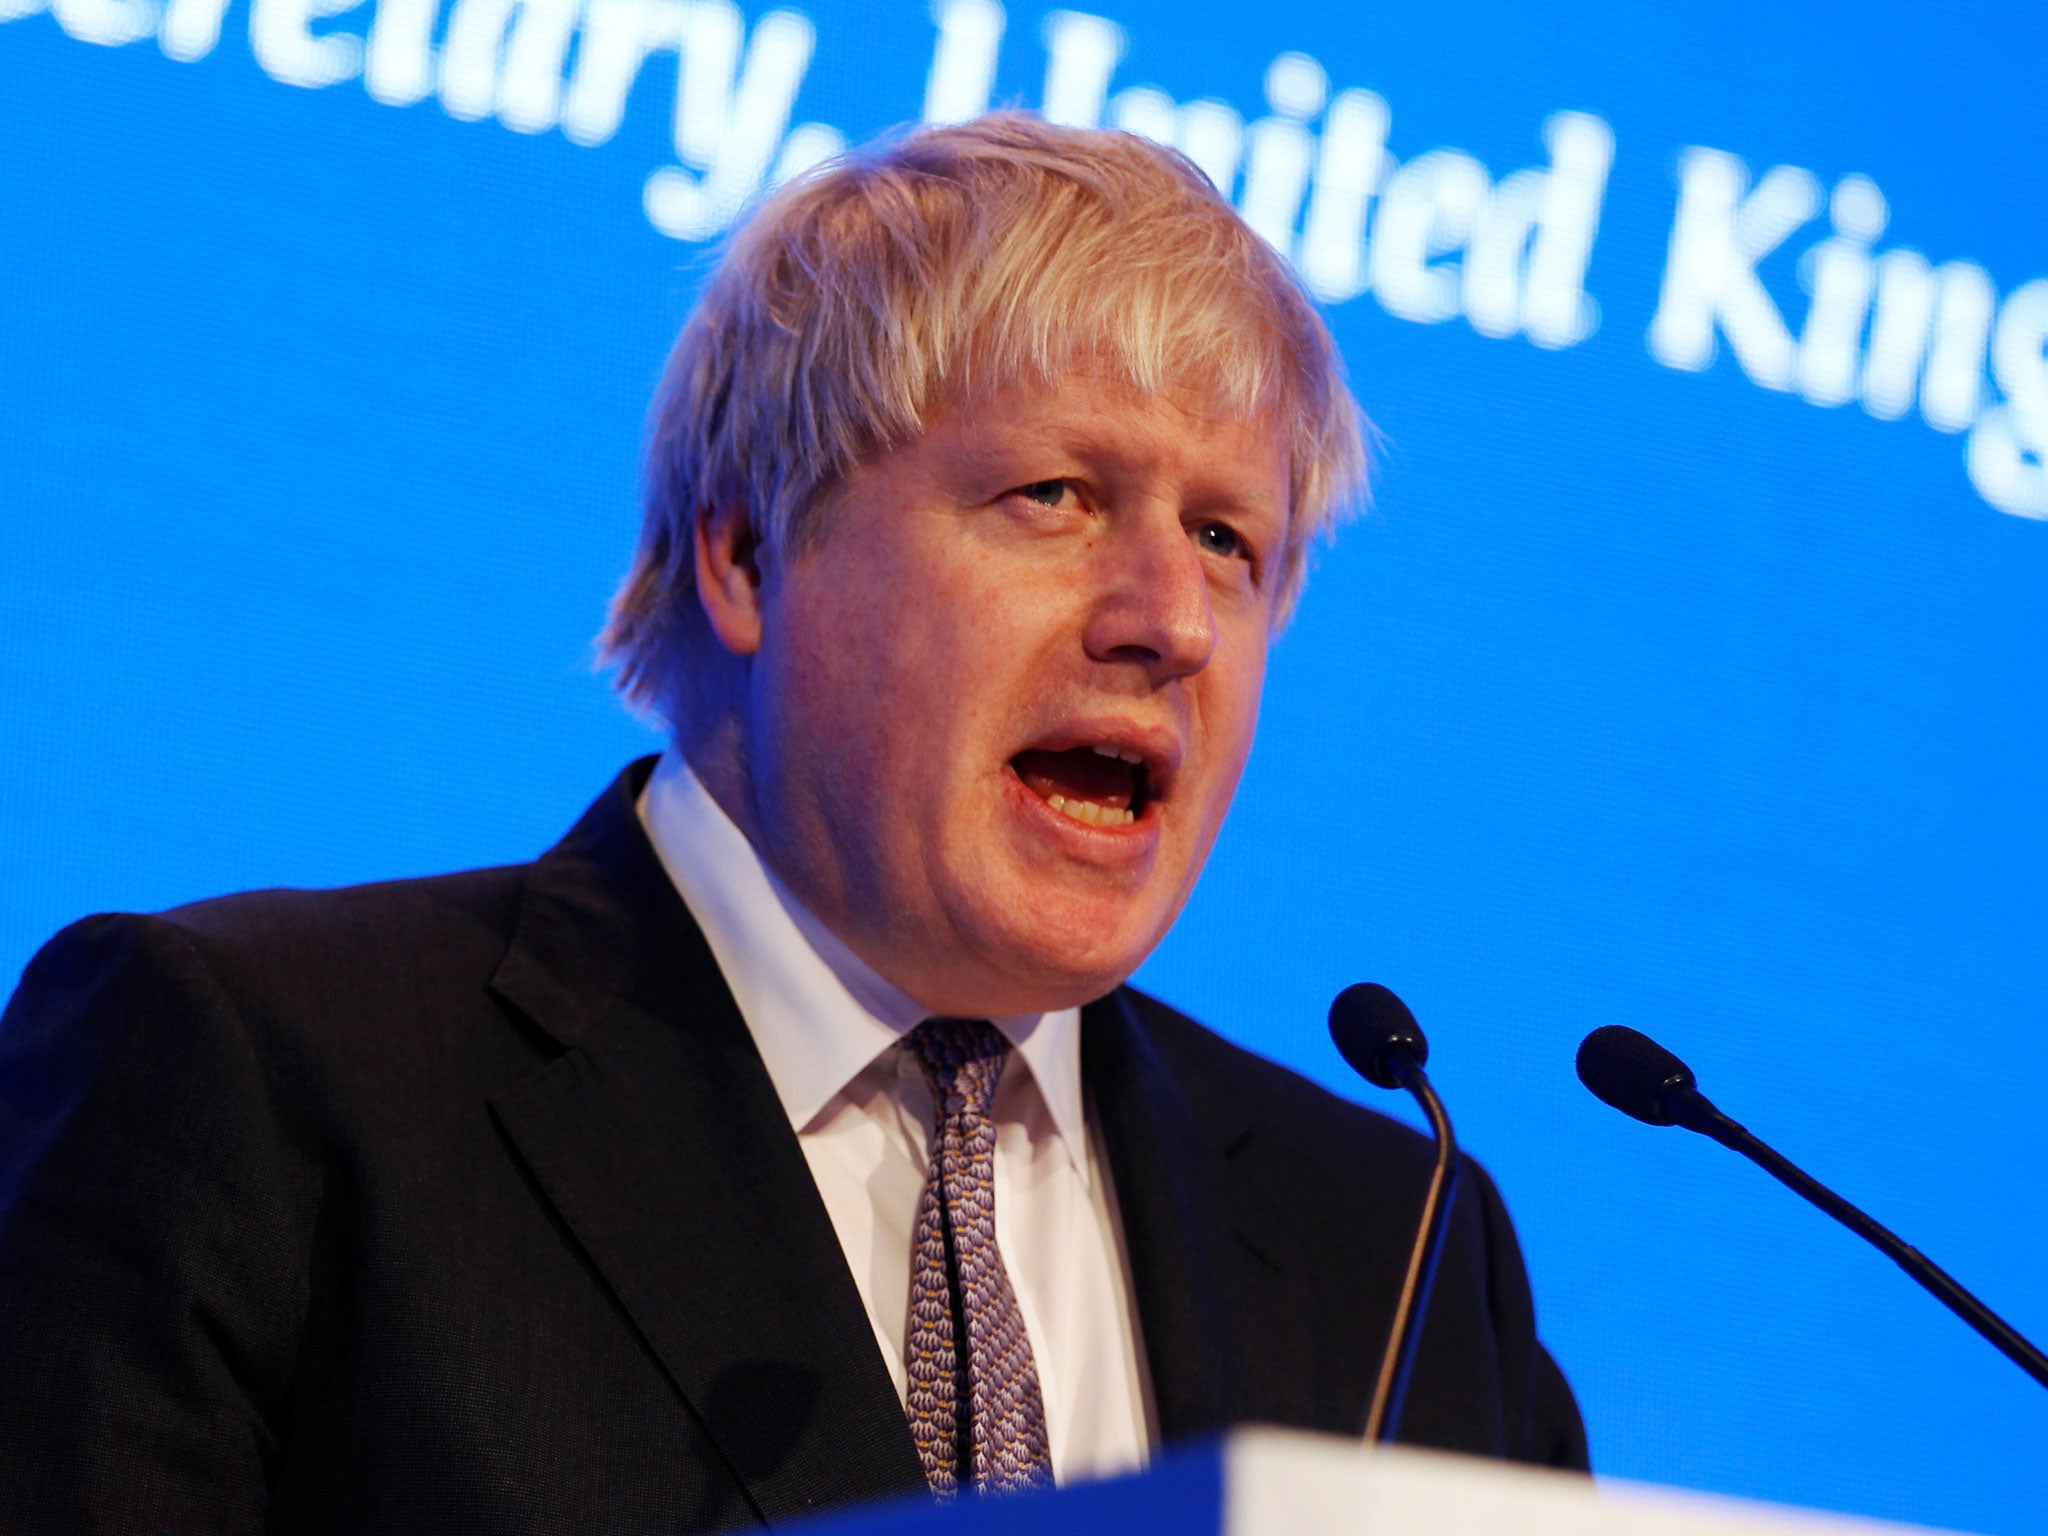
1152 603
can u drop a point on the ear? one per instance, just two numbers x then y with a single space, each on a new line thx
729 577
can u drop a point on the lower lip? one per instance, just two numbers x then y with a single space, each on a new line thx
1101 845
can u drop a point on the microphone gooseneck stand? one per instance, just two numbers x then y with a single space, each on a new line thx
1378 1036
1630 1071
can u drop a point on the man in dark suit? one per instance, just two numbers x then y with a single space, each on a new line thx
785 1136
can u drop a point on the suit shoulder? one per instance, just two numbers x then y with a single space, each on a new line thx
344 921
351 951
1230 1082
349 914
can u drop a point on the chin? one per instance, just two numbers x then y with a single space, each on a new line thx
1064 961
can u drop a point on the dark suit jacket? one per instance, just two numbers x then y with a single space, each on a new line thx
466 1204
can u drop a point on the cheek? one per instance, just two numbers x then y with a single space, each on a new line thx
877 697
1246 680
817 721
972 653
1230 720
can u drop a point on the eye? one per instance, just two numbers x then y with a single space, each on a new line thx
1047 493
1222 539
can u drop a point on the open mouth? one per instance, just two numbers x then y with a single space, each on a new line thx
1100 786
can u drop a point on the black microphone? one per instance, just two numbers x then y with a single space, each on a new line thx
1376 1033
1639 1077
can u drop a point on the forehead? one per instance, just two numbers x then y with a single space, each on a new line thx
1097 422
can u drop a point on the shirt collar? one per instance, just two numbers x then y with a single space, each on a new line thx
819 1014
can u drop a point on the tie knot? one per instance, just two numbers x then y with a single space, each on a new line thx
963 1058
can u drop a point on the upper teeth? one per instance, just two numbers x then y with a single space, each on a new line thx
1119 752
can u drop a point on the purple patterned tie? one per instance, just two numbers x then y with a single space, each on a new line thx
974 1403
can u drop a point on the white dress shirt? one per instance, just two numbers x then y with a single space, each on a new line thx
829 1030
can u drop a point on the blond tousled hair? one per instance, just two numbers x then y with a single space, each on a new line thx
859 300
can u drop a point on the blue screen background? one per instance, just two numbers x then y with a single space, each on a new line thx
1645 693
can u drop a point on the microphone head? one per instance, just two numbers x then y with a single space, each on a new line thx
1372 1028
1635 1074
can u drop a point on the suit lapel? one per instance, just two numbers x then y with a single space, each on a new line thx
1168 1166
658 1138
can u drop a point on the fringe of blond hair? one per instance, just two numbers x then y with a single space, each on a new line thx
860 299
